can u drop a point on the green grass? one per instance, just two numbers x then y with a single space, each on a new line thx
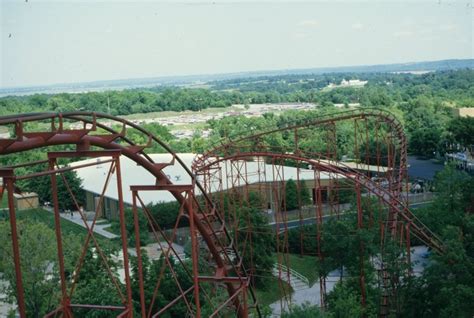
43 216
46 217
4 201
306 265
273 291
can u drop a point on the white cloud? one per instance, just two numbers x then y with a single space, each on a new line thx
425 31
301 35
308 23
403 34
357 26
447 27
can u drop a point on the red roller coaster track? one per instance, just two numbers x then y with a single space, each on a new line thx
94 136
229 167
109 139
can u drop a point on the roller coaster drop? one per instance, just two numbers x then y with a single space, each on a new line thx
221 181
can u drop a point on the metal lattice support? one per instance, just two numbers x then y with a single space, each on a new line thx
382 176
90 135
213 225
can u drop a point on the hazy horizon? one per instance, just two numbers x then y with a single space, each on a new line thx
215 74
52 42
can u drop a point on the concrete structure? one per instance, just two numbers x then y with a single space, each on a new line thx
93 179
26 200
464 160
348 83
463 112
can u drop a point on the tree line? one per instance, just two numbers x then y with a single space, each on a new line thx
423 103
382 89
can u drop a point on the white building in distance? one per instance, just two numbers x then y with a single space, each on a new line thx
94 177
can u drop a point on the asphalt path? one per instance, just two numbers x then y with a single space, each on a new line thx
424 169
309 221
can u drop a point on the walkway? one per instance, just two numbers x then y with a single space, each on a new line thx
99 228
415 200
5 307
425 169
296 280
419 261
310 294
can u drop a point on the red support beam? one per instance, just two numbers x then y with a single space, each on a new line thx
139 254
163 187
20 293
239 150
361 246
57 225
123 236
114 153
194 252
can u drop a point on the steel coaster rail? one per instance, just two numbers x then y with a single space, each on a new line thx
336 116
358 177
228 143
59 135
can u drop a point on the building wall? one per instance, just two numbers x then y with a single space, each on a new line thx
89 204
109 209
269 196
22 203
464 112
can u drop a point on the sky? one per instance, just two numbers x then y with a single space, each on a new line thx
50 42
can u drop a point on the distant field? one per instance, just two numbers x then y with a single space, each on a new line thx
165 114
194 126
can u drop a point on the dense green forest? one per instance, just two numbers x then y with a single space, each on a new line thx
422 102
447 88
